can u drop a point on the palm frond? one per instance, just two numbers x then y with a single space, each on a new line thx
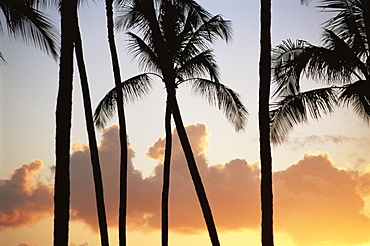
296 109
289 60
350 24
347 22
133 15
203 64
2 59
121 3
306 2
192 5
207 33
357 95
334 63
224 98
31 25
145 55
343 60
134 88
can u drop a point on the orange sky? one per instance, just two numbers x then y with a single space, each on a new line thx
315 202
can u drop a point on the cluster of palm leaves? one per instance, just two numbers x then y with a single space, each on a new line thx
342 63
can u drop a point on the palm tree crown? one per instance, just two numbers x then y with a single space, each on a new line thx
342 62
186 31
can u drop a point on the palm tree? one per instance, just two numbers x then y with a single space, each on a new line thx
122 123
68 9
94 154
342 63
174 45
25 21
264 128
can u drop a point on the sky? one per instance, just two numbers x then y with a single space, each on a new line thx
321 173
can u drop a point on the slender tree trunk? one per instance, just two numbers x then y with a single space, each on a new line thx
94 154
122 124
63 128
264 125
198 184
166 176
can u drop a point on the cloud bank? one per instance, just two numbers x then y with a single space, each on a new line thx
314 201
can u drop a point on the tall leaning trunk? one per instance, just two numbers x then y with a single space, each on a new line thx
94 154
122 128
63 116
264 125
166 175
197 181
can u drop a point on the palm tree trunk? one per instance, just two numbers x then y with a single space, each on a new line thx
63 127
264 125
94 155
197 181
122 123
166 176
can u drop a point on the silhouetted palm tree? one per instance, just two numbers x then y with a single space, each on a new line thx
342 62
264 127
24 20
122 124
68 10
94 154
174 44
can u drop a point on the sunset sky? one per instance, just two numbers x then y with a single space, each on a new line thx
321 173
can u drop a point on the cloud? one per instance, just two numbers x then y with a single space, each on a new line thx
317 202
82 187
235 182
336 139
314 201
24 198
227 187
